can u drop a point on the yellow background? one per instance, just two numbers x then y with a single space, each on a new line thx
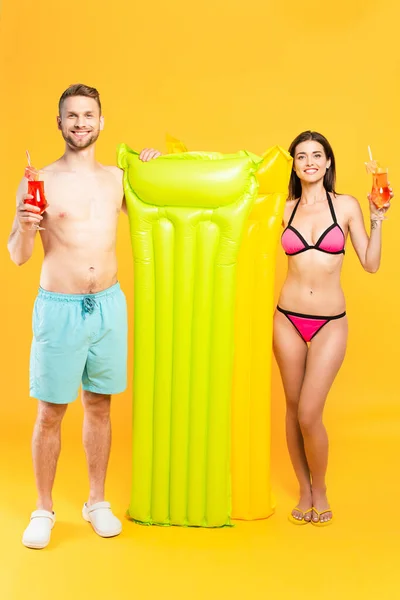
220 76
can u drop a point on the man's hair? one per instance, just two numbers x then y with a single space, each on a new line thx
79 89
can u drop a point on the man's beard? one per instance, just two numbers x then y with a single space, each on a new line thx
72 142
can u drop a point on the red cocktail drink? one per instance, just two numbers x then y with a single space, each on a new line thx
36 189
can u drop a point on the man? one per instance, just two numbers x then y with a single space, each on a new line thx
80 323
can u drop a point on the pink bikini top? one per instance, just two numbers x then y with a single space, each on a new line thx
331 241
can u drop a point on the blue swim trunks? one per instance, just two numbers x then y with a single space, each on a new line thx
78 339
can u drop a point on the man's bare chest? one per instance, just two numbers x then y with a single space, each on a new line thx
75 200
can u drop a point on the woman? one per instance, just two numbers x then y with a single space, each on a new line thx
310 323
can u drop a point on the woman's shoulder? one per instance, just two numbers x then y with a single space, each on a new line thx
346 204
344 200
343 197
289 205
288 209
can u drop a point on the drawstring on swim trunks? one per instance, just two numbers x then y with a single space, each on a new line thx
88 306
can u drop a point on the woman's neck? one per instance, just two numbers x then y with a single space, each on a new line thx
311 193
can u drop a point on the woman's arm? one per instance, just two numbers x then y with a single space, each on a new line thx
368 249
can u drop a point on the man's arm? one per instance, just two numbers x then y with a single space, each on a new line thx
22 237
145 155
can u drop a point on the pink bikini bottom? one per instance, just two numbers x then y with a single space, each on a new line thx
307 325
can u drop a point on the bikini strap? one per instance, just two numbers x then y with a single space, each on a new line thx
331 208
293 212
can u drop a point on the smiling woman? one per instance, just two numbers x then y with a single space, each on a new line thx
312 158
312 289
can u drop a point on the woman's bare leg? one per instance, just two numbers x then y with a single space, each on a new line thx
291 354
325 356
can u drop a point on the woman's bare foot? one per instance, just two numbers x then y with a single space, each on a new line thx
304 505
321 504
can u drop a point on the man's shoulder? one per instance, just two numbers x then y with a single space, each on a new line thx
114 174
113 169
52 167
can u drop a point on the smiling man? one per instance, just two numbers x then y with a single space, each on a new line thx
80 320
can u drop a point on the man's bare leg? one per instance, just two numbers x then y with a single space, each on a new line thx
97 443
46 446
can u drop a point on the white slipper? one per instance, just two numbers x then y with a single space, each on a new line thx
37 534
102 519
